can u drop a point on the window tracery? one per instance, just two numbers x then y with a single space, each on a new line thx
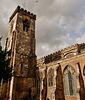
70 82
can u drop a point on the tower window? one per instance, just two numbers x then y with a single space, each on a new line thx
21 70
25 25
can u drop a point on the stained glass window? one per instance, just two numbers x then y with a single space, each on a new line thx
70 82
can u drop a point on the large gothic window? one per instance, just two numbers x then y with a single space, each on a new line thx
25 25
70 83
50 77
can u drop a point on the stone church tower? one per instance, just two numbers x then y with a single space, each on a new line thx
58 76
21 44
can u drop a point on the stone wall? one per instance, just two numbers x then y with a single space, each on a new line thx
73 56
21 44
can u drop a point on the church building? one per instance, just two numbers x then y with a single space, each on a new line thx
62 74
58 76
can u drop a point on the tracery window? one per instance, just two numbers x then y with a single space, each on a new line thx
25 25
70 83
50 77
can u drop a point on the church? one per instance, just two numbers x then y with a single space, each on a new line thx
58 76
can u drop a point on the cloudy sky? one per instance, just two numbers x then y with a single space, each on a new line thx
59 24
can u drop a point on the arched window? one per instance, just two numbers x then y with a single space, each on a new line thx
25 25
50 77
70 83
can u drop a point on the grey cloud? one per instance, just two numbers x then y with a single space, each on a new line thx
55 19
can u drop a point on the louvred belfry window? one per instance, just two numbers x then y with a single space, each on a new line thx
25 25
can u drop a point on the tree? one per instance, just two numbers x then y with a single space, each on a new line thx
5 71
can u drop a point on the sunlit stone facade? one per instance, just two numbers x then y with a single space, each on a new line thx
67 68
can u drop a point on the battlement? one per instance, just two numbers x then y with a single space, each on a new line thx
25 12
77 48
70 48
49 58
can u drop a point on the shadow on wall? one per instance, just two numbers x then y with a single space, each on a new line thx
82 89
44 91
59 93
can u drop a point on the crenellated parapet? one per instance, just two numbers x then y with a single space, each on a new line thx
49 58
70 51
53 57
69 48
63 54
25 12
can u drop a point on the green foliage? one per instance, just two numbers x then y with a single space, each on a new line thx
5 71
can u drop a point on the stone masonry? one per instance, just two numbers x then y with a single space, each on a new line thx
73 56
21 45
58 76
